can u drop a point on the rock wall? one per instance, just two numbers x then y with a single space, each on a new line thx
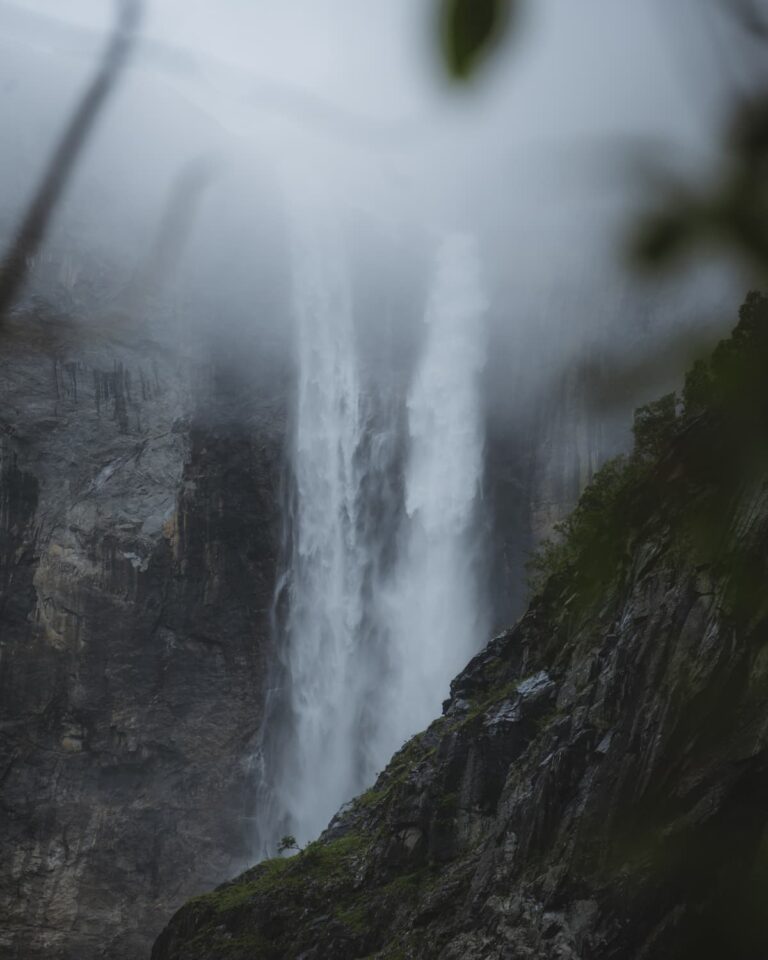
138 542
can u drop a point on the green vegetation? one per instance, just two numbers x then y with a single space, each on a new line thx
690 463
288 842
262 879
590 543
400 767
355 918
733 379
480 704
325 863
371 798
470 29
407 885
252 945
402 764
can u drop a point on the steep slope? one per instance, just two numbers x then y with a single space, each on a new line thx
598 783
138 537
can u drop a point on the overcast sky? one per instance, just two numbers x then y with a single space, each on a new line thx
538 152
595 65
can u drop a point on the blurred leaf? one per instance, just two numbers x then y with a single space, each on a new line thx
660 238
470 29
750 16
727 212
748 129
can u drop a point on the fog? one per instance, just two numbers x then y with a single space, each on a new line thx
545 156
240 129
540 150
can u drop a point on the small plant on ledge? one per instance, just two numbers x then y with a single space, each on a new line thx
286 843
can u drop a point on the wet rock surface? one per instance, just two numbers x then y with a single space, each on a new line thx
138 542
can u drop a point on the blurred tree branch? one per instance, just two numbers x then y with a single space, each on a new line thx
174 229
729 213
726 213
470 29
751 16
14 265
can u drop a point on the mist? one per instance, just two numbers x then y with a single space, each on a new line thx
429 279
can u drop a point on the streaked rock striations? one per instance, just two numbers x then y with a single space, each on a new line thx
138 535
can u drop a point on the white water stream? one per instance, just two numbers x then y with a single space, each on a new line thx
368 650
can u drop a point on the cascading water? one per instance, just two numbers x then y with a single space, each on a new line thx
433 604
368 648
316 767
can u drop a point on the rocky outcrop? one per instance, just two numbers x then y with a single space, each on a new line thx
138 541
598 783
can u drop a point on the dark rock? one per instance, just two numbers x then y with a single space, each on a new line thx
138 539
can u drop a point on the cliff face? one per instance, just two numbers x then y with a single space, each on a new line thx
139 527
138 539
598 783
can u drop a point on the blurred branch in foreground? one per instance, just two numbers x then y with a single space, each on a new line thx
470 29
34 224
174 229
752 16
726 213
729 214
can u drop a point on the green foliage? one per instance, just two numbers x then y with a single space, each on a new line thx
323 863
406 758
355 918
687 472
588 544
591 546
330 861
408 887
262 879
251 945
392 952
370 799
726 214
469 30
698 387
664 235
733 380
655 425
483 701
288 842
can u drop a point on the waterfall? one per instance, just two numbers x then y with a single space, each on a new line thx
433 603
316 769
368 648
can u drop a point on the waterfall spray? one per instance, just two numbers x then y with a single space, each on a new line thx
433 603
315 772
368 650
